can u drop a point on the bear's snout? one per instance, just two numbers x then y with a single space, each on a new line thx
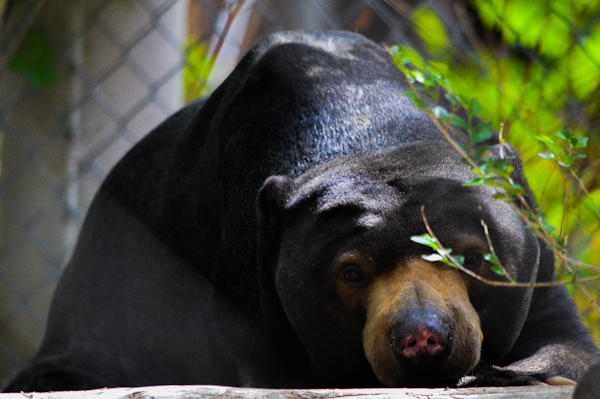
423 339
421 327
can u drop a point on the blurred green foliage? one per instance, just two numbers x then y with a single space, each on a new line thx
199 65
539 85
35 57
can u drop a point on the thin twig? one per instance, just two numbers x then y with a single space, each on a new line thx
489 240
548 240
546 184
494 283
586 192
565 207
215 53
587 295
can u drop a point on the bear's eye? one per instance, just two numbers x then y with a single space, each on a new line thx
354 276
473 258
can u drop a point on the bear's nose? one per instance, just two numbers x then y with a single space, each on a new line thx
421 339
422 342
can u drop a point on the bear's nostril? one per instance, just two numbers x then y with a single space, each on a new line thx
421 344
422 341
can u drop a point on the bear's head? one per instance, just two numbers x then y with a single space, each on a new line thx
336 254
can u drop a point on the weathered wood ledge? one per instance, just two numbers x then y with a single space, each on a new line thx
220 392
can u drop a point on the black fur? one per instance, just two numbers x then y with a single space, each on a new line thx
181 277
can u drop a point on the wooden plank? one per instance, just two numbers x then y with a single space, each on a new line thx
219 392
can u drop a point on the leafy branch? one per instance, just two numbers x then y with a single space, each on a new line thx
444 255
428 87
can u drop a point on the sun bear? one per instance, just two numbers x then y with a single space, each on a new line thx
261 237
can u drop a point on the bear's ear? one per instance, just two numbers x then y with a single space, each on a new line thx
271 201
508 151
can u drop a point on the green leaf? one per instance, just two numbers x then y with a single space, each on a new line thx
454 102
550 144
444 251
558 150
460 259
410 56
432 257
543 138
481 152
425 239
548 155
441 113
410 94
566 160
581 142
501 197
564 134
491 258
545 225
482 132
474 107
474 182
501 164
497 269
458 121
416 99
463 147
418 75
515 190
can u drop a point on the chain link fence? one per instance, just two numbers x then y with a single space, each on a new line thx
82 81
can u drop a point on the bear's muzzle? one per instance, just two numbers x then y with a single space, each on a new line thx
420 325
